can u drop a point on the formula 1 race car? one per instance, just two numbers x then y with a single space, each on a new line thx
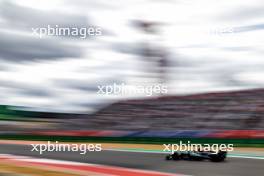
198 156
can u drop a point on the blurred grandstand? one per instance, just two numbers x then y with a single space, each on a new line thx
225 110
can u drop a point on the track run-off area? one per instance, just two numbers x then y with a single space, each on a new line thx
136 161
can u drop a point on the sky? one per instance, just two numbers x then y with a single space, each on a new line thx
210 46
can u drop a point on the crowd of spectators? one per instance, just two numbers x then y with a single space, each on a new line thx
226 110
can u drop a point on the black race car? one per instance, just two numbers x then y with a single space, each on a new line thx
198 156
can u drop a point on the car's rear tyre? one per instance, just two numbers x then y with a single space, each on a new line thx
219 157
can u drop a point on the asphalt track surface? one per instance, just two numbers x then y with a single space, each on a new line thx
149 161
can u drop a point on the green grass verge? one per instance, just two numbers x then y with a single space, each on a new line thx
139 140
